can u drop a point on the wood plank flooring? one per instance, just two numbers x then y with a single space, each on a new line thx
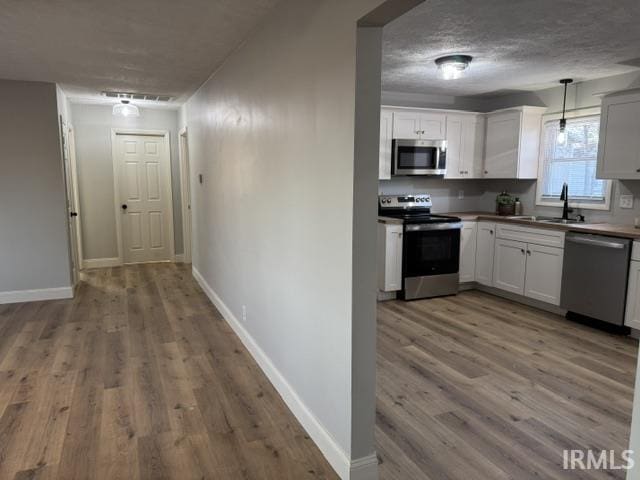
477 387
139 378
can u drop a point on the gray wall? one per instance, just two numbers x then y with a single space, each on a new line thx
34 248
480 194
93 124
272 132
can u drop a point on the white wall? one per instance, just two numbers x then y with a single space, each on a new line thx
272 133
93 124
34 248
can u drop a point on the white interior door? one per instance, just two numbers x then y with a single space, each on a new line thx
72 207
145 208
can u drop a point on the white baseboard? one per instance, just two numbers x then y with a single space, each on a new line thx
19 296
360 469
101 262
180 258
365 468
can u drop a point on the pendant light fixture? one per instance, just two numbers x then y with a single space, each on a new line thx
125 109
562 134
453 66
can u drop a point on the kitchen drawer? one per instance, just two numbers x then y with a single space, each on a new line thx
635 251
538 236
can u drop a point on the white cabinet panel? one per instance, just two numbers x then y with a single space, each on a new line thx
465 146
539 236
468 252
632 314
513 143
389 257
509 266
415 124
503 140
406 125
485 246
543 278
433 126
619 145
386 134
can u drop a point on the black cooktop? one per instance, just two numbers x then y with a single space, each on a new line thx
419 217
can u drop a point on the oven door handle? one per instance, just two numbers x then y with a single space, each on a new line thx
433 226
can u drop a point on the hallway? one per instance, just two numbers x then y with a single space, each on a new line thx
139 377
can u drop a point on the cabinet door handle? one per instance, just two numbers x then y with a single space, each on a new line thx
486 171
528 252
638 170
522 250
490 232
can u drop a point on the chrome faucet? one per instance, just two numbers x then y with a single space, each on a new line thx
564 196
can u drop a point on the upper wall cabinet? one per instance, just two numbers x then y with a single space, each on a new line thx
465 145
386 132
513 143
619 144
413 124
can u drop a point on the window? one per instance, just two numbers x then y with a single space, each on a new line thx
573 162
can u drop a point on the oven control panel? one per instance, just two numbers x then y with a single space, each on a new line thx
405 201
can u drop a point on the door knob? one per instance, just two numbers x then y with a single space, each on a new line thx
124 206
73 214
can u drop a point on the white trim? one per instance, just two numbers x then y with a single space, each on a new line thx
19 296
116 187
185 192
359 469
73 162
365 468
575 113
180 258
101 262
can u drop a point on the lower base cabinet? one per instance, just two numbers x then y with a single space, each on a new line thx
543 279
509 266
528 269
389 257
468 252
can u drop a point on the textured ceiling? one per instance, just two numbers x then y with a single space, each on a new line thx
153 46
516 44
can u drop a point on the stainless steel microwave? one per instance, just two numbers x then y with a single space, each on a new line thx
419 157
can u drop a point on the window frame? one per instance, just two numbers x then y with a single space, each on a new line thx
540 200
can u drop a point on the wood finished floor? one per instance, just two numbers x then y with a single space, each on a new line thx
477 387
139 377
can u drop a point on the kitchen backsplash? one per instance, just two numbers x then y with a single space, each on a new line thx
480 195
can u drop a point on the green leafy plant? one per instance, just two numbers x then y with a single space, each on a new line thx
505 199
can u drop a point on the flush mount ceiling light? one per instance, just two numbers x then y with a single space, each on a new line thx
125 109
453 66
562 134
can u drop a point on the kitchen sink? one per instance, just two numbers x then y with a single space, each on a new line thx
542 219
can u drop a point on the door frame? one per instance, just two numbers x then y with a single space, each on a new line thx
116 184
185 192
75 191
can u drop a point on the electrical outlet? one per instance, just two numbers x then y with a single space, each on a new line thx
626 201
244 313
460 194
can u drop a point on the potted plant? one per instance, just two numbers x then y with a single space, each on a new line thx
505 204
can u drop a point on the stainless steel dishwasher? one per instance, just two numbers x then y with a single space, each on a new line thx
594 276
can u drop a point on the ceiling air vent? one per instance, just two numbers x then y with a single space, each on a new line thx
138 96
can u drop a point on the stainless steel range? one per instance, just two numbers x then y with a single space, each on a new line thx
431 246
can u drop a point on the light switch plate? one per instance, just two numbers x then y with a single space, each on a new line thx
626 201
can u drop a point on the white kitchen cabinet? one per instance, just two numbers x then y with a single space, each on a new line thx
415 124
509 266
468 252
619 143
389 257
632 312
528 261
543 277
465 146
386 134
485 245
513 143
